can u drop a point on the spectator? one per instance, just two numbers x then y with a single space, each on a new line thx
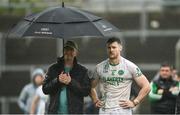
28 92
178 99
67 82
164 91
39 102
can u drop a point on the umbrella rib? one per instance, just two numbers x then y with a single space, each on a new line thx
98 28
59 22
96 20
40 14
43 22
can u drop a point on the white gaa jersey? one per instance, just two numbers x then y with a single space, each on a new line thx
115 81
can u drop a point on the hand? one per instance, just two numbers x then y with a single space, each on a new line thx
126 104
99 103
160 91
67 79
172 89
64 78
61 77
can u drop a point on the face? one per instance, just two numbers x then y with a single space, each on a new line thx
38 80
178 78
174 72
114 50
165 72
69 54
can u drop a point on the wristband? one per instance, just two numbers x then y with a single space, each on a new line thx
135 102
96 102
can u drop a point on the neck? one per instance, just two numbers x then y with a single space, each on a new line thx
68 63
168 78
114 61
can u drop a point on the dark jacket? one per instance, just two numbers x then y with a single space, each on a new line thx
166 104
178 105
77 89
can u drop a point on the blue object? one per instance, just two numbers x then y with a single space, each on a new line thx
63 103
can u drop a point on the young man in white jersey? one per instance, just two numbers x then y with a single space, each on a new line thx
115 76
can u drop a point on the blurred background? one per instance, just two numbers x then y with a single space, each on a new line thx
150 31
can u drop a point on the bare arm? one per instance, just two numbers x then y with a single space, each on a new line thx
143 83
93 93
23 99
34 104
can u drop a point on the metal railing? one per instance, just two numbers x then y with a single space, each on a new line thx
178 55
5 103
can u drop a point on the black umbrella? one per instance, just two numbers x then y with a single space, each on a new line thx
63 22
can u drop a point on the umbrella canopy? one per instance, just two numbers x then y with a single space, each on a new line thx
63 22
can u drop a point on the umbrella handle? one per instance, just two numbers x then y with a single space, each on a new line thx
63 47
62 3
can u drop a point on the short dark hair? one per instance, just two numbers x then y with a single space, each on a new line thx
113 39
166 64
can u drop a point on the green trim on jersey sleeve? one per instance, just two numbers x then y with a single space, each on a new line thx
153 96
138 72
95 74
178 85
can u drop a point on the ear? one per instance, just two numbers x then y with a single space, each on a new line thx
76 53
120 47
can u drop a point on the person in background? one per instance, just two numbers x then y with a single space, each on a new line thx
28 92
178 98
174 73
39 102
164 91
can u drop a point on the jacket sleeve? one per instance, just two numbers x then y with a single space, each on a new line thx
170 95
23 99
81 88
153 93
51 83
178 105
176 92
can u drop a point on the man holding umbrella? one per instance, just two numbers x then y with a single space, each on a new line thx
67 83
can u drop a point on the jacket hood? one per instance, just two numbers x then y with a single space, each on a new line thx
37 71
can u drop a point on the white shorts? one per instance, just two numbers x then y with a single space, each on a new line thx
115 111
